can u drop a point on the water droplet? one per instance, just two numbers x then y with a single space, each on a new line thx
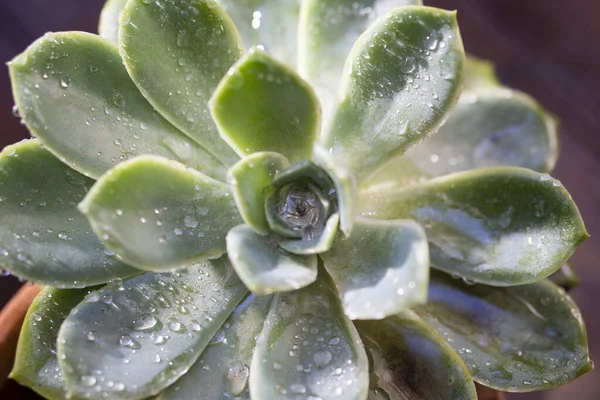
322 358
88 381
156 359
119 100
63 235
190 222
298 388
237 378
147 322
64 82
91 336
125 341
175 325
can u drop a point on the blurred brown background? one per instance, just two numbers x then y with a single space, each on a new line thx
548 48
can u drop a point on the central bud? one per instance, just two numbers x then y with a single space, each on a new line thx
303 210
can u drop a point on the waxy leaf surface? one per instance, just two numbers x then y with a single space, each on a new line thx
401 78
43 237
131 341
264 266
381 269
500 226
251 179
176 52
262 105
36 364
489 128
223 368
317 245
328 30
307 329
159 215
409 360
108 27
102 119
514 339
270 24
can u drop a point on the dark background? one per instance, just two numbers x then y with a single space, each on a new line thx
548 48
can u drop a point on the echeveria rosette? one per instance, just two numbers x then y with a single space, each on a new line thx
316 212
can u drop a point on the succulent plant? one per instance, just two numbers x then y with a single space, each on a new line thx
205 224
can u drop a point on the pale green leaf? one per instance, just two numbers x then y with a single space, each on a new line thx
500 226
158 215
131 341
36 364
108 26
223 368
266 268
381 269
43 237
270 24
317 245
402 77
306 328
262 105
328 30
252 179
565 277
411 361
480 74
72 91
176 52
489 128
516 339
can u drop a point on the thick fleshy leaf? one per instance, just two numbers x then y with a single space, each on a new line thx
308 348
132 340
411 361
262 105
223 368
381 269
72 91
36 364
269 24
108 26
328 30
251 179
480 74
401 78
345 188
490 128
565 277
176 52
514 339
159 215
304 170
500 226
43 237
317 245
266 268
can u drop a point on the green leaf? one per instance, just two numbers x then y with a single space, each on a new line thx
73 93
345 188
266 268
262 105
108 27
270 24
328 30
489 128
480 74
43 238
176 52
500 226
409 360
223 368
303 170
381 269
251 180
566 278
514 339
36 364
307 329
317 245
402 77
158 215
147 332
